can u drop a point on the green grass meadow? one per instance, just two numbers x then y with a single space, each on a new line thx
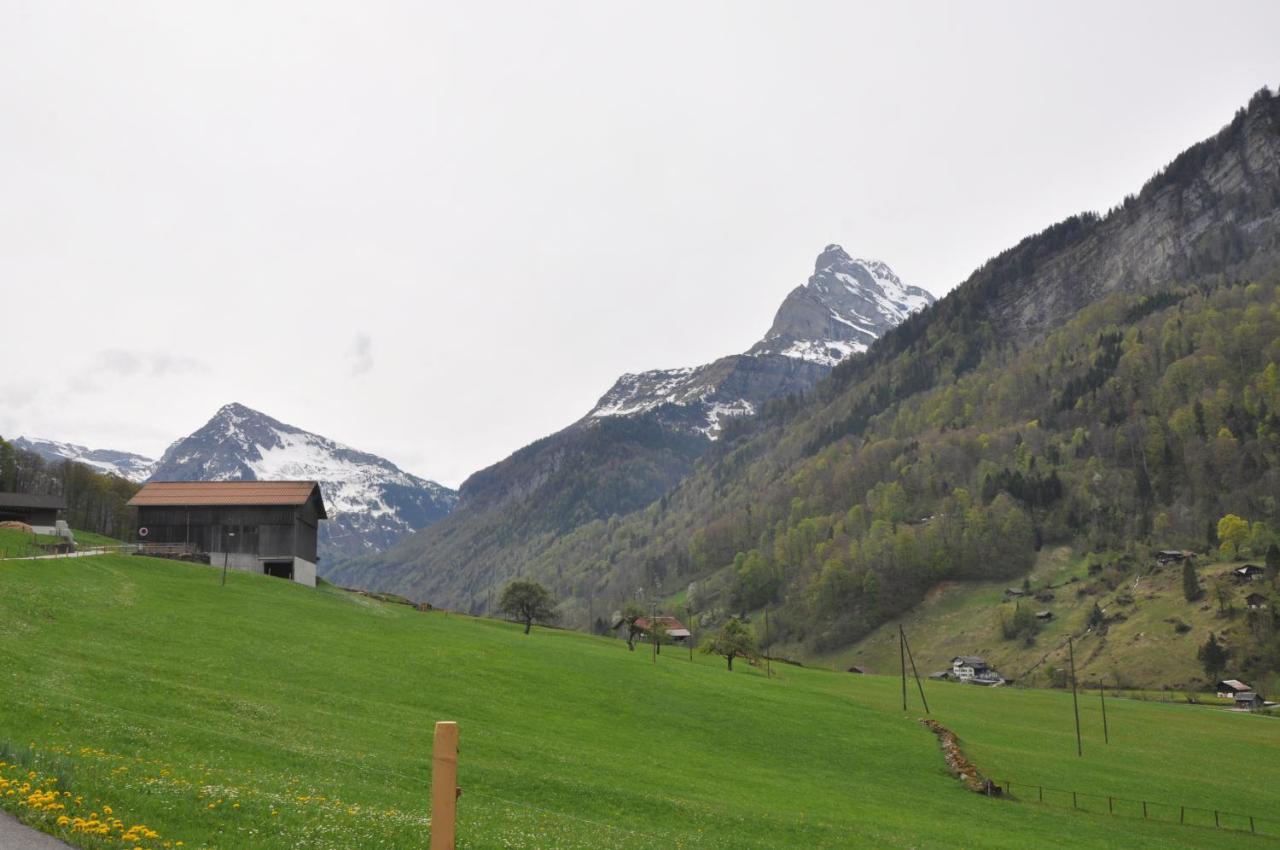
269 715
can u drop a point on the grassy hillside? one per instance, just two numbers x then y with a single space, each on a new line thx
88 540
268 715
19 544
1149 640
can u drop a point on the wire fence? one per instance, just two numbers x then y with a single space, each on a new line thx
43 551
1153 810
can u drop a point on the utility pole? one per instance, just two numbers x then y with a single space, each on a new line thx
768 666
1074 702
653 629
914 671
1102 695
902 659
688 613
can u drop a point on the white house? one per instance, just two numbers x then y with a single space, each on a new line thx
966 668
1228 688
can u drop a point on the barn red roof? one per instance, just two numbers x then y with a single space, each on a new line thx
205 493
674 627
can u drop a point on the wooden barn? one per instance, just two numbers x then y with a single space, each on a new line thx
265 527
39 512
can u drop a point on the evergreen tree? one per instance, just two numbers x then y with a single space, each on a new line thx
1190 582
1213 656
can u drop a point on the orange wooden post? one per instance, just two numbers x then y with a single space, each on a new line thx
444 786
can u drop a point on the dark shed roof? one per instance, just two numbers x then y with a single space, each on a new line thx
175 494
28 500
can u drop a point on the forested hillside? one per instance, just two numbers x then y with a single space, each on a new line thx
1007 416
96 501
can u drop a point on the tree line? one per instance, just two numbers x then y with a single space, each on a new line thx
96 501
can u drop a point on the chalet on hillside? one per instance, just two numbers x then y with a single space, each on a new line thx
267 527
1228 688
972 669
675 631
1174 556
39 512
1255 601
1250 701
1248 572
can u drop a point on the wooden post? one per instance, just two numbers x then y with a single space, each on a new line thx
444 786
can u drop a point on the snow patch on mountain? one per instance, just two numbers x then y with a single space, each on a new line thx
845 306
125 464
826 353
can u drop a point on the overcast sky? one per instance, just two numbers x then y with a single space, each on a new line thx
439 232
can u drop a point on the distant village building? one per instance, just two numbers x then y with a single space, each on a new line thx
1255 601
1044 615
1228 688
39 512
267 527
1174 556
1250 701
674 630
856 669
1248 572
972 669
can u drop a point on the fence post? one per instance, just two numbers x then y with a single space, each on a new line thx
1182 814
1041 787
1111 809
1073 800
1215 819
1144 809
444 786
1251 829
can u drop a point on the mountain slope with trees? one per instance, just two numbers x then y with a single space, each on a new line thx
639 441
1109 382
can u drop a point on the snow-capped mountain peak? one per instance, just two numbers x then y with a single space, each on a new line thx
844 307
371 502
125 464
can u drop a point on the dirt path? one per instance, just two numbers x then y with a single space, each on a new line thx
17 836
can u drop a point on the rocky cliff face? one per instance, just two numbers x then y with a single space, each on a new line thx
640 439
1212 208
371 502
846 305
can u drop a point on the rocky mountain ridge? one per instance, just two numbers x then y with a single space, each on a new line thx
132 467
